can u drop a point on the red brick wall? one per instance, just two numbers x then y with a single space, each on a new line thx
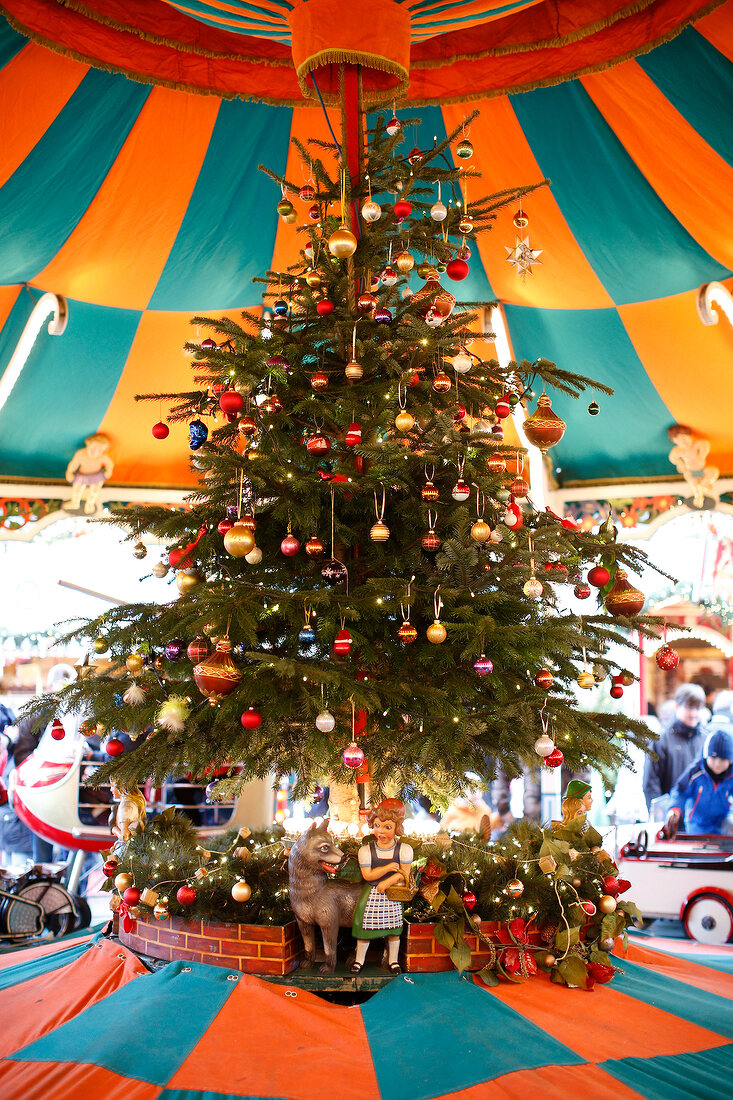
422 954
251 948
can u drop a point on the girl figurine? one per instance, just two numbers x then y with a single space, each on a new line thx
384 861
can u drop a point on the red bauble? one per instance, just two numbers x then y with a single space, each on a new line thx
110 868
217 676
314 212
307 193
198 650
57 730
342 643
554 760
589 907
208 344
325 307
544 679
290 546
223 526
581 591
402 209
624 599
186 895
611 885
161 430
598 576
469 900
114 747
314 548
353 436
251 719
667 658
318 445
513 516
616 691
456 269
231 402
353 756
415 155
131 895
503 408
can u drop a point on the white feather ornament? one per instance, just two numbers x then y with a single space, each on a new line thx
173 714
134 696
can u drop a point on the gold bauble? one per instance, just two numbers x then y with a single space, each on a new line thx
239 540
186 579
544 428
480 531
404 262
353 370
134 663
607 904
313 279
436 632
577 882
101 645
404 421
342 243
533 588
123 881
241 890
548 960
379 532
585 679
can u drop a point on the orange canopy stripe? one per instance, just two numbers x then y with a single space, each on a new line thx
119 248
579 286
649 127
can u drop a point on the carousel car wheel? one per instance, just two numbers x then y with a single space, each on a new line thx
59 910
708 918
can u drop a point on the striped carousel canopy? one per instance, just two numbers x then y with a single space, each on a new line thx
141 204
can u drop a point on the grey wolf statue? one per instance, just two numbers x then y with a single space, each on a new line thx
313 859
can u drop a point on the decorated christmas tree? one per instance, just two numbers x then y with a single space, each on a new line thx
361 572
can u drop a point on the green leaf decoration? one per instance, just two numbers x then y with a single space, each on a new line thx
461 956
488 976
444 935
563 941
574 971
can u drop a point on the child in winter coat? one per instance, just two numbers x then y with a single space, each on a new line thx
704 791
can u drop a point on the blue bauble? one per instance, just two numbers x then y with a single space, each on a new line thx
198 433
280 307
307 636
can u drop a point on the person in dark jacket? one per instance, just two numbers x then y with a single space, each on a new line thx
679 744
703 794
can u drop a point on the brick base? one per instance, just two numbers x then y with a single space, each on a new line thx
251 948
421 953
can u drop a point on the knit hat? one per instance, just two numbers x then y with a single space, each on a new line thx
719 743
576 788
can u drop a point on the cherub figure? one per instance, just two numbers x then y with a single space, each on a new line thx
88 470
128 816
688 456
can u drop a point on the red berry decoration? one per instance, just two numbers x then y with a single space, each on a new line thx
131 895
402 209
469 900
456 269
251 719
555 759
186 895
114 747
161 430
598 576
110 868
581 591
231 402
57 730
342 643
325 307
667 658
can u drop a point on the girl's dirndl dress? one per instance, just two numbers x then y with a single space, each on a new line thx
375 915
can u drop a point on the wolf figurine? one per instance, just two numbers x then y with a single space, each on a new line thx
316 901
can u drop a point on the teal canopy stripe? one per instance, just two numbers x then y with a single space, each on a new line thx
227 236
705 1075
697 1006
33 968
698 81
11 43
45 198
73 377
454 1016
597 345
162 1024
636 247
242 19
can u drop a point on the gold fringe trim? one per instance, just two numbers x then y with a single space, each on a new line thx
355 57
552 81
159 40
145 78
